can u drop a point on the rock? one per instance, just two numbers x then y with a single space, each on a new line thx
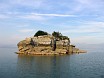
41 46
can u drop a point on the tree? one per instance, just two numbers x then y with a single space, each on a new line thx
65 37
40 33
58 35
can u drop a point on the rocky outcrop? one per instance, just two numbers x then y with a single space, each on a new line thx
42 45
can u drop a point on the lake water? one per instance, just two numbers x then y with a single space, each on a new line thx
88 65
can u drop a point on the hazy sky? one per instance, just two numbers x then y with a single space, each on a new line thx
81 20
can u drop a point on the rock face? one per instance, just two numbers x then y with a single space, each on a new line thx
43 45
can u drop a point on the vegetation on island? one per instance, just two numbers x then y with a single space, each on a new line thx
40 33
47 44
57 35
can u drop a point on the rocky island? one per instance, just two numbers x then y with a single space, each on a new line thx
43 43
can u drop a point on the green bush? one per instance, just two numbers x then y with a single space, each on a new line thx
59 36
40 33
56 34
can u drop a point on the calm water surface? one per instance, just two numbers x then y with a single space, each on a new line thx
88 65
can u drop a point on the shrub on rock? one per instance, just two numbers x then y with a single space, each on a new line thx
40 33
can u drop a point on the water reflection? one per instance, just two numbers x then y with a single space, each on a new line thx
40 66
88 65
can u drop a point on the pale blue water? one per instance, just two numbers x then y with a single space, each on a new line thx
88 65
